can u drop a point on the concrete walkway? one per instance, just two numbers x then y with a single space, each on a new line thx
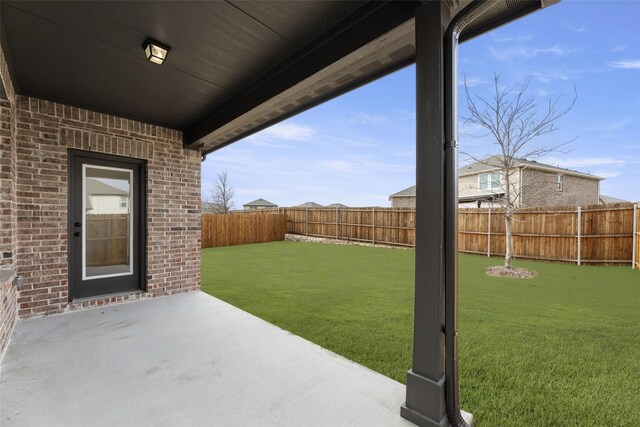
187 359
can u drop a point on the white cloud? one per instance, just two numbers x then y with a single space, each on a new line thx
338 165
618 48
368 119
284 131
627 64
471 129
610 126
576 28
253 191
362 143
550 76
582 162
365 165
518 38
530 52
606 173
408 153
473 81
263 143
541 92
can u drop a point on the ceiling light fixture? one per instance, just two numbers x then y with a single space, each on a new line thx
156 52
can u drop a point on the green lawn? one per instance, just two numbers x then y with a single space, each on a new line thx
562 349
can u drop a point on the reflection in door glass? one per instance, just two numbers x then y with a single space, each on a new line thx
107 222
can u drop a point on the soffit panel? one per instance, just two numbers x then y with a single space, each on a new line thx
90 53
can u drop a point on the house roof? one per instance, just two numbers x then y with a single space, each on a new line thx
492 163
261 202
407 192
309 205
411 192
609 200
476 197
234 67
337 205
209 206
96 187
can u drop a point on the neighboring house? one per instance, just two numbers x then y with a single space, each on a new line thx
309 205
608 200
337 205
481 184
105 199
210 207
259 204
404 199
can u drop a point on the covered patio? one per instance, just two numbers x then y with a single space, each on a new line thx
186 359
134 95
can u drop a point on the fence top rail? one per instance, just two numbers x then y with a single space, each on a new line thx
377 209
553 209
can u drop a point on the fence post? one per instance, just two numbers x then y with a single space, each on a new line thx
337 223
374 226
306 222
635 236
579 233
489 235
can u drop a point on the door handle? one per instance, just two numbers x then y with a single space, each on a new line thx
78 233
77 224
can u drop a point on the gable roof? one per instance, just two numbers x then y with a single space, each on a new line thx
609 200
261 202
96 187
407 192
493 163
337 205
309 205
210 206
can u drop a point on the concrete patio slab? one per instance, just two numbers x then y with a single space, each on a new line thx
186 359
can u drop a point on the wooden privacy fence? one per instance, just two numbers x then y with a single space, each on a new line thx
388 226
107 239
636 247
240 229
589 235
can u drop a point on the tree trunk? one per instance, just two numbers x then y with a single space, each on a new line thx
508 243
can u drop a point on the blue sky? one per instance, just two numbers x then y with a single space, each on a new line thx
360 148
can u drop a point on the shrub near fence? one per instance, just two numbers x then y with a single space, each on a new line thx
241 229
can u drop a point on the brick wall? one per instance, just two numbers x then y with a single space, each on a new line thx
403 202
8 211
540 188
8 241
45 132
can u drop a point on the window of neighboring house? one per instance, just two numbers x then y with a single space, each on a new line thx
123 202
490 181
560 182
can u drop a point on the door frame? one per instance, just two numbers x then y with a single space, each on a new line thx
139 217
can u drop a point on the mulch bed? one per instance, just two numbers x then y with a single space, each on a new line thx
513 272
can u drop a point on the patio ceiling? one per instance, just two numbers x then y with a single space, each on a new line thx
234 67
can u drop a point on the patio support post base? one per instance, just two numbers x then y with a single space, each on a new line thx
425 405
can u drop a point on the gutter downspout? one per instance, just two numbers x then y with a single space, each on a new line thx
451 40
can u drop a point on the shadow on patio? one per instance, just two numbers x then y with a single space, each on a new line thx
187 359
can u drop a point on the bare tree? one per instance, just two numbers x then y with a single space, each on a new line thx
222 194
514 120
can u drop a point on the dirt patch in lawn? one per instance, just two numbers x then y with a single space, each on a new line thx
513 272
